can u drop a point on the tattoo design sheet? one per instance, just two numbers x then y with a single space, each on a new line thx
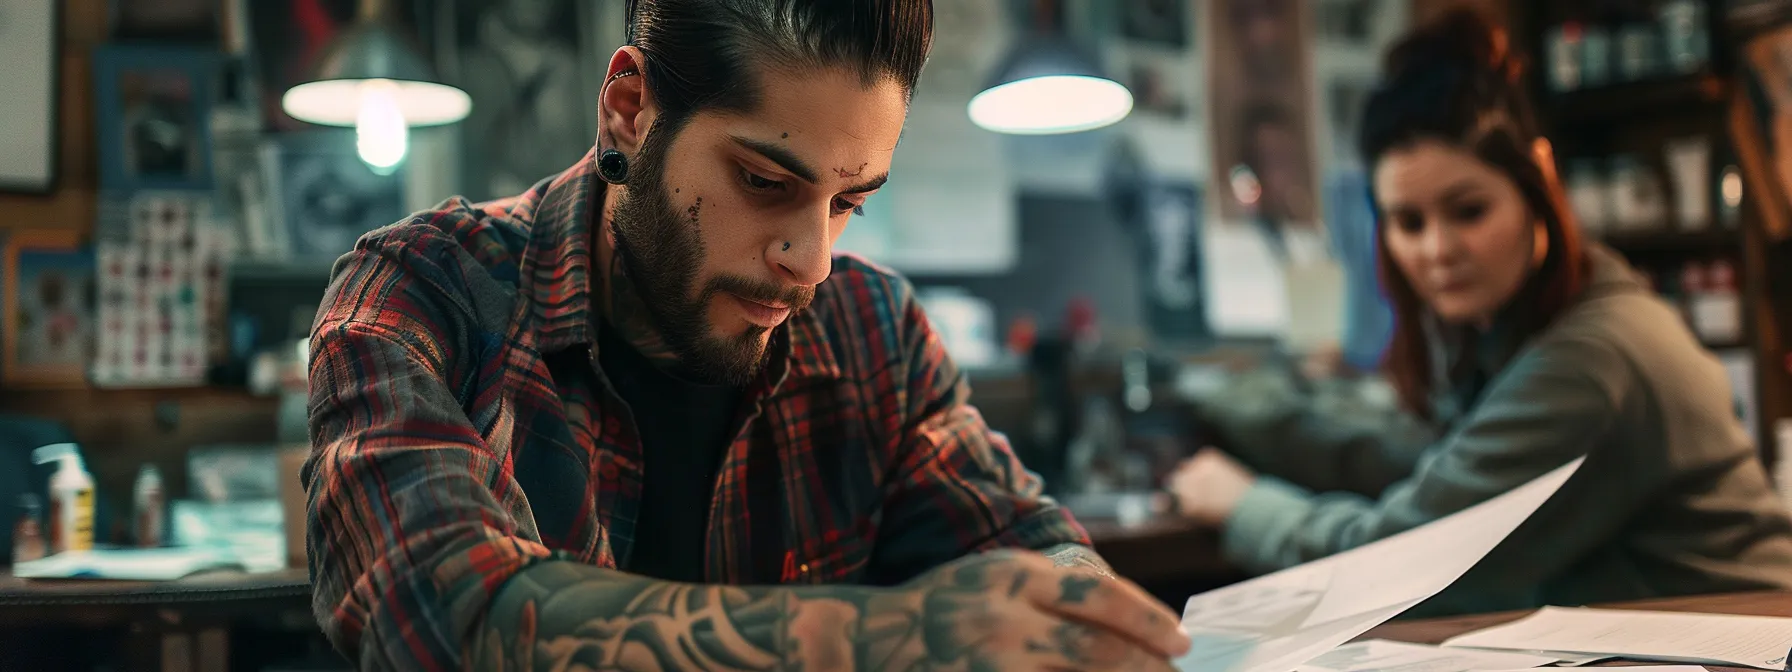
1282 620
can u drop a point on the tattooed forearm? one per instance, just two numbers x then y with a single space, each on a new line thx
562 615
1077 555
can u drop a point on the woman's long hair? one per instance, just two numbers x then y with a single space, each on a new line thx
1454 80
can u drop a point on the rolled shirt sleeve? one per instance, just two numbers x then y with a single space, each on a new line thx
407 540
957 488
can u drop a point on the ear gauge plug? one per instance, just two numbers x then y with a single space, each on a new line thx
612 166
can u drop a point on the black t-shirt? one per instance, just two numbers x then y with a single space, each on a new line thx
685 429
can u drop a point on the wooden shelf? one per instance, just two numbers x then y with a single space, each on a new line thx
1663 240
1614 104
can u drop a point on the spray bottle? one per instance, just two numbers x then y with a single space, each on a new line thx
71 498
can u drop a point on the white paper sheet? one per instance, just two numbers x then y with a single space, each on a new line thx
1277 622
129 564
1379 655
1421 562
1634 668
1562 658
1715 639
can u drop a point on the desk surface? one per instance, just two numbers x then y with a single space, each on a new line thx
94 603
1434 631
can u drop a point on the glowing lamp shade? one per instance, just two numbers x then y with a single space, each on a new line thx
371 78
1051 104
1049 85
338 102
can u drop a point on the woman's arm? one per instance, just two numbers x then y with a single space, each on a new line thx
1550 406
1296 439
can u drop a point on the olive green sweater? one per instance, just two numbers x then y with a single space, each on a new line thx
1672 499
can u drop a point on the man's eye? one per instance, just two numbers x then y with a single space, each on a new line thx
843 206
757 183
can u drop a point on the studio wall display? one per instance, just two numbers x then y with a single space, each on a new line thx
28 111
533 75
160 285
153 110
1163 22
1261 93
325 196
46 332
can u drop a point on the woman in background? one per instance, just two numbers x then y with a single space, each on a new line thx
1524 348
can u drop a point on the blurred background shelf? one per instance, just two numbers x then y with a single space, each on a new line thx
1663 240
1602 107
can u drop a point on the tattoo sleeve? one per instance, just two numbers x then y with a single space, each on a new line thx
568 616
1078 555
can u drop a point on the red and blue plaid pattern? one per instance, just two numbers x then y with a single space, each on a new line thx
462 431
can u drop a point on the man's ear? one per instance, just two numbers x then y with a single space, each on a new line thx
625 106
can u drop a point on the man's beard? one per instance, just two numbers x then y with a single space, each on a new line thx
660 254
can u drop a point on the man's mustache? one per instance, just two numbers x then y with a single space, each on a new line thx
797 297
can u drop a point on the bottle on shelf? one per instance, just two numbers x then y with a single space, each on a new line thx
1717 311
71 498
28 531
147 507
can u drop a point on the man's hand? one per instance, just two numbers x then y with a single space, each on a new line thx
1209 486
1013 610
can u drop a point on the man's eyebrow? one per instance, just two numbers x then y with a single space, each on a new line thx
870 185
782 156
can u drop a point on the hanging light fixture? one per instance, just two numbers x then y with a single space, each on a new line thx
1048 86
371 78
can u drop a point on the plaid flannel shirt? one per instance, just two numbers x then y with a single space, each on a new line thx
462 431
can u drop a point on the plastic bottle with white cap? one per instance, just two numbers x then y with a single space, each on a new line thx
71 498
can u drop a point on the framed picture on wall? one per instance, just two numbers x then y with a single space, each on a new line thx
31 49
325 196
1160 22
534 89
1261 109
170 20
153 109
47 329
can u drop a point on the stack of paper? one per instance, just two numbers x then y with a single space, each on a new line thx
1278 622
1705 639
128 564
1384 656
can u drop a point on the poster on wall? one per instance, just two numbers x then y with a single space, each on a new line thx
46 330
161 289
28 110
1160 22
153 116
1170 255
530 69
326 197
1261 111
